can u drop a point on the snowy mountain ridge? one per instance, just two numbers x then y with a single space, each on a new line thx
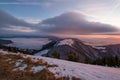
64 47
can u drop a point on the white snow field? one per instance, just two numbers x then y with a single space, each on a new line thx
85 71
66 42
67 68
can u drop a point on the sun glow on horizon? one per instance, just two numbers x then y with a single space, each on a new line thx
108 13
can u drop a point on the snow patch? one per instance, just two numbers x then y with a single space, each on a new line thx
18 63
22 68
38 68
100 47
42 53
69 42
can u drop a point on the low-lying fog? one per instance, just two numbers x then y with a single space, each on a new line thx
30 43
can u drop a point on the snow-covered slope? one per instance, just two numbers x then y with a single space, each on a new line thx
84 71
69 42
41 53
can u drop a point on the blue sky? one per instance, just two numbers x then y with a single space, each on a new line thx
42 9
35 11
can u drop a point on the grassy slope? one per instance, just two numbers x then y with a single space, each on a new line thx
17 67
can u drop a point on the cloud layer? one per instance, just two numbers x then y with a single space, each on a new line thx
74 23
68 23
9 24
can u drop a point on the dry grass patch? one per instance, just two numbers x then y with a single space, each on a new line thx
10 69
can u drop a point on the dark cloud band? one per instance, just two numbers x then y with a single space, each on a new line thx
75 23
67 23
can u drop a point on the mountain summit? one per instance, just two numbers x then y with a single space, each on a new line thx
69 47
